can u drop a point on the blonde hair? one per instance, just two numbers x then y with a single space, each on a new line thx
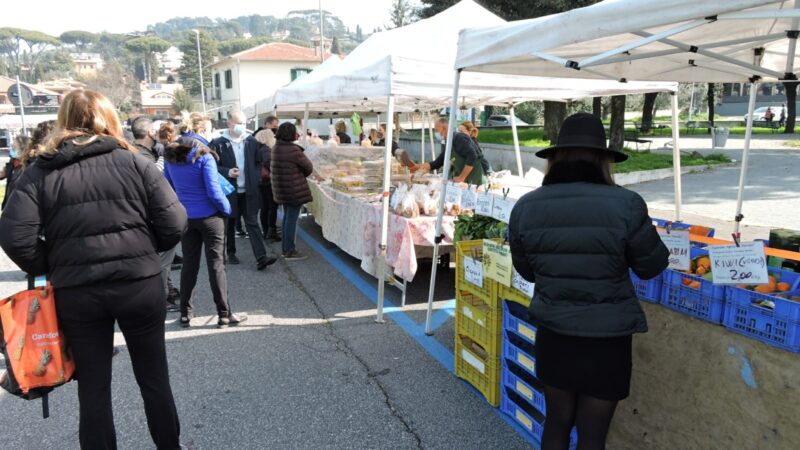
195 123
472 130
266 137
341 127
85 115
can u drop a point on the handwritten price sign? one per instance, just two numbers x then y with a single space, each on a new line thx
521 284
502 208
473 271
678 244
739 265
453 194
469 198
485 204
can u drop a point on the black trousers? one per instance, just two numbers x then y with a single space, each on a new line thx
208 232
269 210
239 206
87 315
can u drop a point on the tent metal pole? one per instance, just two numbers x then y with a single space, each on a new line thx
749 15
748 134
676 156
305 125
448 149
422 143
515 134
430 135
790 53
387 181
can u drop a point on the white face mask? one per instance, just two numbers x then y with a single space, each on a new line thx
239 129
12 153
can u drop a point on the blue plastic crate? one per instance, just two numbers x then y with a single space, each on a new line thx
515 319
518 380
648 290
680 226
705 303
519 351
746 313
531 420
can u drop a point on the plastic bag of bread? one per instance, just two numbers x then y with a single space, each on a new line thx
408 207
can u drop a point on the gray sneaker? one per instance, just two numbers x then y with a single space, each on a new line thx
294 256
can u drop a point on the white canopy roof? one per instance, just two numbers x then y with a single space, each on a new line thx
673 40
414 64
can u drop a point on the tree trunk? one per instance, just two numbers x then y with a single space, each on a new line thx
791 106
616 140
647 113
554 115
710 98
606 108
597 107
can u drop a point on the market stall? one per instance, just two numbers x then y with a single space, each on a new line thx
406 69
728 284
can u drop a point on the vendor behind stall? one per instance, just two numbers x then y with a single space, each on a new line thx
467 159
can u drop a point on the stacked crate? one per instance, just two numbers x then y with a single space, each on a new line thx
478 324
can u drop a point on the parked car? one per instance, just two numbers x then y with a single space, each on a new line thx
503 121
758 113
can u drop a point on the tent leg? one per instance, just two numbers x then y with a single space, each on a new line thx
422 142
516 140
748 134
430 133
305 125
446 170
676 157
387 181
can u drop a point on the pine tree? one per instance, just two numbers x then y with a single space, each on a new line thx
189 73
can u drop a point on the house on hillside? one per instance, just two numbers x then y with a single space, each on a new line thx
87 64
243 78
170 60
157 99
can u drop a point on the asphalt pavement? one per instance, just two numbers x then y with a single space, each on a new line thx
309 369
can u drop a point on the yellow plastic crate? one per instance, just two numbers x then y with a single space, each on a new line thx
473 249
480 322
513 295
478 369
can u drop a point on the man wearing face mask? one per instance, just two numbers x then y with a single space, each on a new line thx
240 161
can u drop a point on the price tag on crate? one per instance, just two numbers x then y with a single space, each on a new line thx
502 208
521 284
678 244
469 198
497 263
484 204
453 194
746 264
473 271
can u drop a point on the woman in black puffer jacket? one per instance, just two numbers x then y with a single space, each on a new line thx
576 237
92 214
289 169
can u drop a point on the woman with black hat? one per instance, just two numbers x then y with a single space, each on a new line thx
576 237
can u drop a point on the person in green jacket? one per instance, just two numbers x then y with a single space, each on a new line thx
467 161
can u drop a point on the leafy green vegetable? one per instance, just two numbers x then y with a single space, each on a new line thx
468 228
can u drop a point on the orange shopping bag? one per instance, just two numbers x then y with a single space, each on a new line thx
35 350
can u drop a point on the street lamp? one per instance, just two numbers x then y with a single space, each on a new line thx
200 66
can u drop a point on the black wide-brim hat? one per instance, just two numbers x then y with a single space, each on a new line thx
582 130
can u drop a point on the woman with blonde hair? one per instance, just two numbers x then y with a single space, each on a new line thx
93 214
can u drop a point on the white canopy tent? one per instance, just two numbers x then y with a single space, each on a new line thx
676 40
408 69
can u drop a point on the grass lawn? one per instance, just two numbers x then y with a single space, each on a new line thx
650 161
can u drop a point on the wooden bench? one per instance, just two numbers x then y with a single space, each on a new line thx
774 126
633 136
650 126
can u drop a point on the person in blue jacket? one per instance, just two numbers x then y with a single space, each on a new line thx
192 172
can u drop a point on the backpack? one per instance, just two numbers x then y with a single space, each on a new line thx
36 354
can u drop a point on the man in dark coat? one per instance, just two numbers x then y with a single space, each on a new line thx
240 159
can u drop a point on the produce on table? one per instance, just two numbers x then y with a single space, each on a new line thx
472 227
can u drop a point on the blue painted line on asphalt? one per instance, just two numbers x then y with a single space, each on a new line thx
443 315
407 324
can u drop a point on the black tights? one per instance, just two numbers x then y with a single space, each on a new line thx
590 415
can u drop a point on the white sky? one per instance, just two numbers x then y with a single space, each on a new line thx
56 16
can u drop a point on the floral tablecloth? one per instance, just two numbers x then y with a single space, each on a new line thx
354 225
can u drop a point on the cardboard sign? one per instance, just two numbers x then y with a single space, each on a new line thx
521 284
497 263
473 271
484 204
469 198
739 265
678 244
453 194
502 208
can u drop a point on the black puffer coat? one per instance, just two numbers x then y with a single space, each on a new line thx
576 241
104 213
289 168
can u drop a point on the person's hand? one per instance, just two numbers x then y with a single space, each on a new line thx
423 168
458 179
233 173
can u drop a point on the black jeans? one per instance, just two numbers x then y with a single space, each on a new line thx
87 315
239 206
269 210
211 233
